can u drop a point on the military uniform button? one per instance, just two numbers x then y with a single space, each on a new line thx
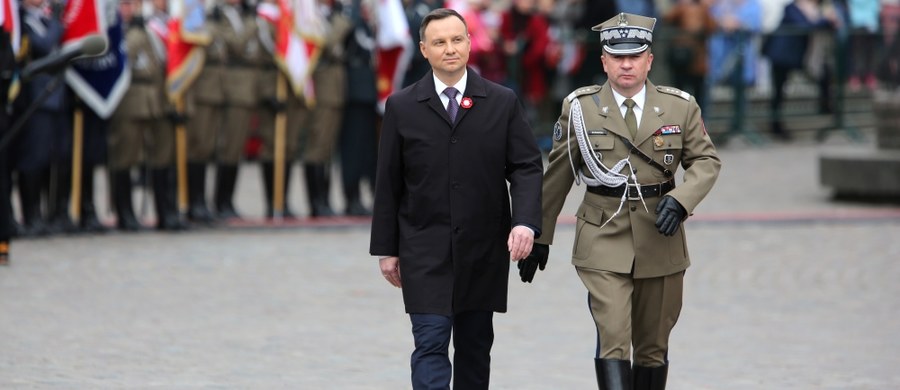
633 208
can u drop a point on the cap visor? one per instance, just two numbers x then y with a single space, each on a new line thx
625 48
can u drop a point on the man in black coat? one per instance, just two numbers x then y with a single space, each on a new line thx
443 226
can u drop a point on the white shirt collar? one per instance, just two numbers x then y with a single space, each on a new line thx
639 98
460 86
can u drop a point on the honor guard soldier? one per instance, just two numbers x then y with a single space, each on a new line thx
321 131
209 96
294 107
625 140
140 117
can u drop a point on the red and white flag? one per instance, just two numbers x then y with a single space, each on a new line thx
9 19
185 39
81 19
299 33
394 48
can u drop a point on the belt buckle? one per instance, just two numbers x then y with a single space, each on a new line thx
637 191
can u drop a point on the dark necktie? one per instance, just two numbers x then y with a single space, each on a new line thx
630 118
452 105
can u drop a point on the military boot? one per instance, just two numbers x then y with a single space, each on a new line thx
167 214
613 374
226 179
89 221
317 187
268 168
650 378
122 189
60 189
197 210
33 223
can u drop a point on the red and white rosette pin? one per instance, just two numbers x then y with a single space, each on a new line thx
466 102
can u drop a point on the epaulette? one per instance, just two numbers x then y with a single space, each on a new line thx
583 91
673 91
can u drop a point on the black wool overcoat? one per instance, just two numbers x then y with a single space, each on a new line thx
447 195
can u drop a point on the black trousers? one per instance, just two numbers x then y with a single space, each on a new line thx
473 336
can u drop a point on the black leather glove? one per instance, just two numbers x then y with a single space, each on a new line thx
176 118
274 104
536 259
670 214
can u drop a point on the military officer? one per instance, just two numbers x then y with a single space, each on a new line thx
208 92
321 132
140 119
625 140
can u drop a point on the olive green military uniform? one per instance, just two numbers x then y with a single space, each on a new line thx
140 127
633 273
321 132
210 99
142 113
330 80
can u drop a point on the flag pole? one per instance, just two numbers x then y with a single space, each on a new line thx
181 156
278 170
77 150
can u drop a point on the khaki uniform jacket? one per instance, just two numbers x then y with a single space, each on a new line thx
330 76
244 50
209 88
630 240
145 98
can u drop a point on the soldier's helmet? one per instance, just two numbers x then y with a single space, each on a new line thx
626 34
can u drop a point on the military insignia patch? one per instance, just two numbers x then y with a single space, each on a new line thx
557 132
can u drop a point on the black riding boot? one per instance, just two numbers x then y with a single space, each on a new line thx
164 200
89 221
613 374
125 219
60 189
197 210
226 178
317 187
650 378
354 203
33 223
268 168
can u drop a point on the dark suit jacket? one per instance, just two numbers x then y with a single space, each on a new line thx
441 198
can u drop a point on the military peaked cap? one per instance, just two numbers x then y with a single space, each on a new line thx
626 33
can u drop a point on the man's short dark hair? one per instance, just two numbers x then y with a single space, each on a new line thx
438 14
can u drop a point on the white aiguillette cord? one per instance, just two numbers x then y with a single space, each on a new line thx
602 176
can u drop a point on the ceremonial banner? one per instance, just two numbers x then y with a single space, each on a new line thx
299 33
102 81
9 19
394 48
184 41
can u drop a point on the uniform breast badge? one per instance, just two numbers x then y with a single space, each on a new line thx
557 132
658 141
668 159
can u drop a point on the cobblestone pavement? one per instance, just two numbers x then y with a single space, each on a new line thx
788 290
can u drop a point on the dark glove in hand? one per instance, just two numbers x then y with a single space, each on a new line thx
536 259
275 104
670 214
176 118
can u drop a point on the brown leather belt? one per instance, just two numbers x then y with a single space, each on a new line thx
647 190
